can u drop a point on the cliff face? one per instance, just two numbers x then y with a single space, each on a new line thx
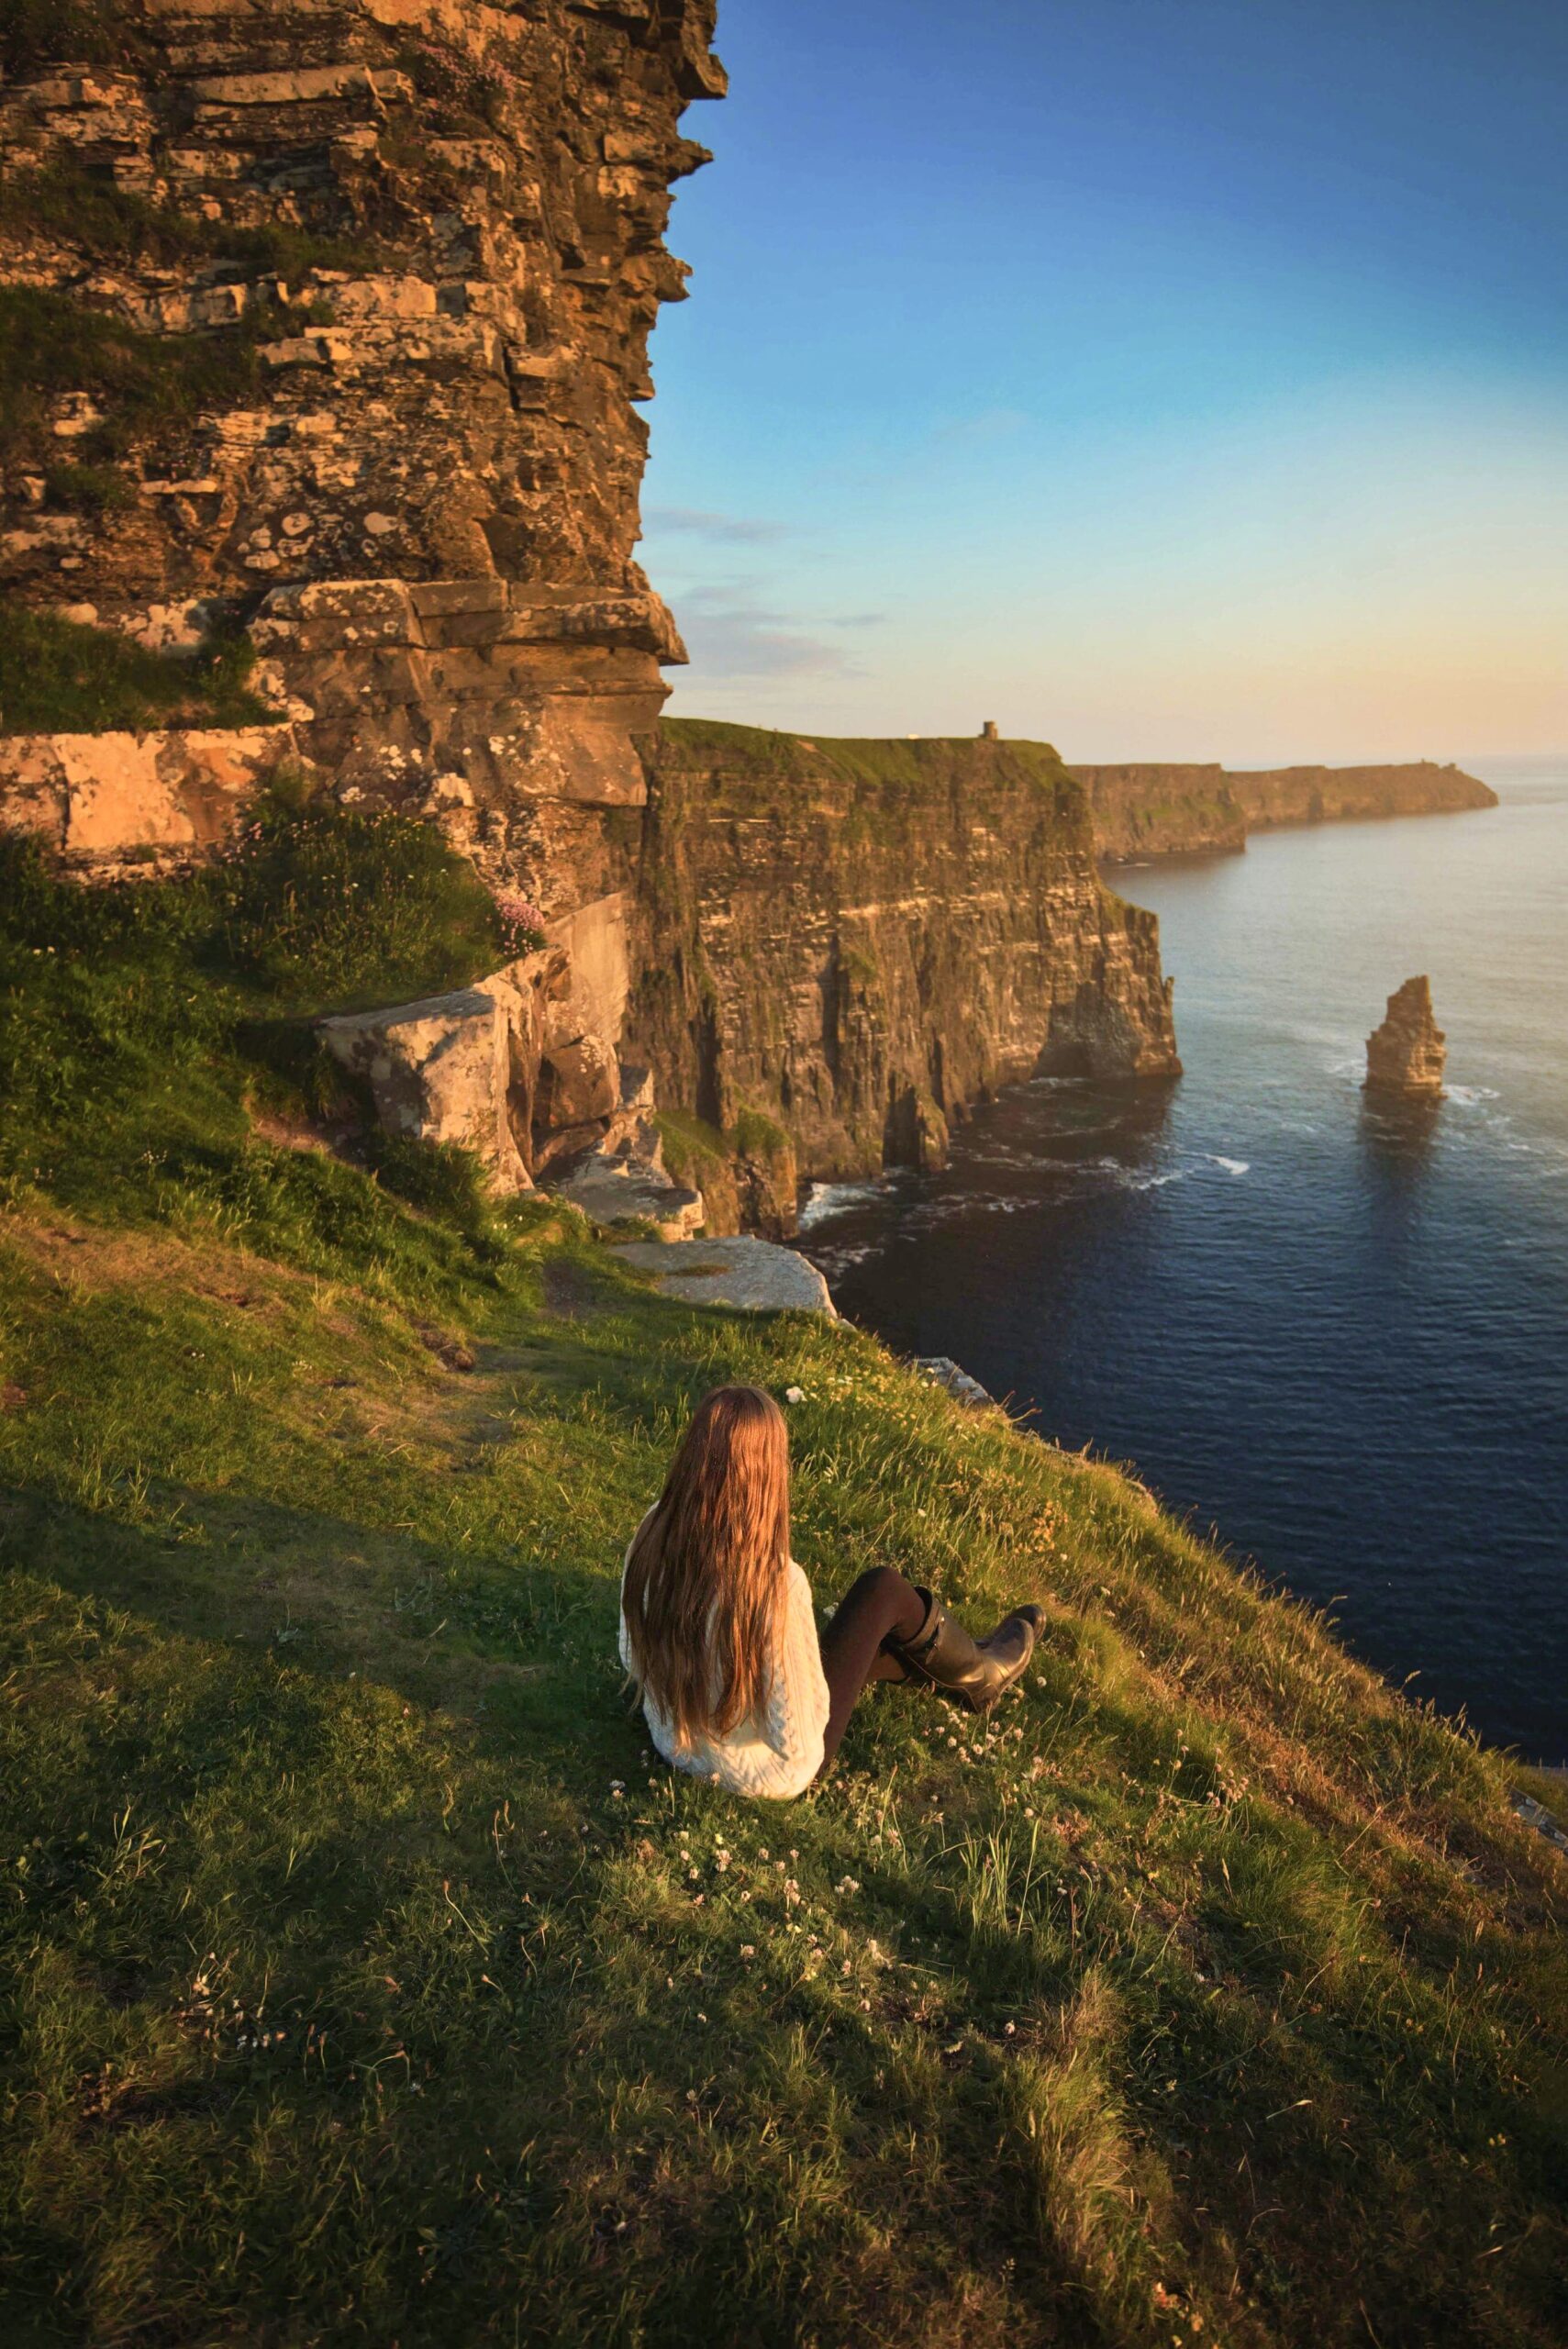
1186 811
1279 795
328 321
1162 810
333 315
859 939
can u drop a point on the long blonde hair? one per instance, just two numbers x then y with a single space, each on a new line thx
705 1575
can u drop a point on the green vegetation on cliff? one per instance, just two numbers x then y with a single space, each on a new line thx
365 1982
59 676
65 201
145 1027
738 757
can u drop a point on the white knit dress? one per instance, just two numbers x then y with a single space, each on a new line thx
778 1751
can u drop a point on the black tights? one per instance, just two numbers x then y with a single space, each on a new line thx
880 1603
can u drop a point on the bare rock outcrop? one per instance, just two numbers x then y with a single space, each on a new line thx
611 1191
746 1274
440 1071
1407 1053
118 802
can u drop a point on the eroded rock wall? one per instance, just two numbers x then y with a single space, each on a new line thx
859 940
387 270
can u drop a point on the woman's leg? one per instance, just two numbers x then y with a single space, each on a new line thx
879 1604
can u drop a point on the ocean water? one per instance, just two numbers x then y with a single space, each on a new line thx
1336 1334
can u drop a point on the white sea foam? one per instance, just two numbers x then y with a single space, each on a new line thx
825 1199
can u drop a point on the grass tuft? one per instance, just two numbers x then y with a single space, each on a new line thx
50 343
59 676
86 209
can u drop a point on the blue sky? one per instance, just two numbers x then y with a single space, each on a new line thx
1162 378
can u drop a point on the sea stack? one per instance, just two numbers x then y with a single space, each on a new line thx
1407 1053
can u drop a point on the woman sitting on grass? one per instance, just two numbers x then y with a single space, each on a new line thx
717 1630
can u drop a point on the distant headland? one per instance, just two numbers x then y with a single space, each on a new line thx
1154 810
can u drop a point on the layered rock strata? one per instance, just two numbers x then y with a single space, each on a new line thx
859 940
336 316
383 273
1154 810
1147 810
1408 1052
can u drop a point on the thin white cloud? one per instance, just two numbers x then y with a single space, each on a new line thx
728 636
723 529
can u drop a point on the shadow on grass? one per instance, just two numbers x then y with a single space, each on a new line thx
522 1653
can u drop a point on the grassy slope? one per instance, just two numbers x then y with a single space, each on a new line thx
1212 1994
744 755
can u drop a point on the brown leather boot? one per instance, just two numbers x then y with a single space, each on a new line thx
975 1671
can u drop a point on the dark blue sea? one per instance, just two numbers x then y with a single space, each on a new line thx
1336 1334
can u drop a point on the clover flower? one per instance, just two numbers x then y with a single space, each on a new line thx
522 922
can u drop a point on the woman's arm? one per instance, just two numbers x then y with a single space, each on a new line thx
798 1699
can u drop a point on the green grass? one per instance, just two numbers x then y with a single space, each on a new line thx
361 1979
145 1027
693 1148
57 676
37 34
348 1997
88 489
85 209
752 752
50 343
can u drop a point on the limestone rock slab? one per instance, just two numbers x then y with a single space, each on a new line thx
749 1275
611 1191
440 1071
123 801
